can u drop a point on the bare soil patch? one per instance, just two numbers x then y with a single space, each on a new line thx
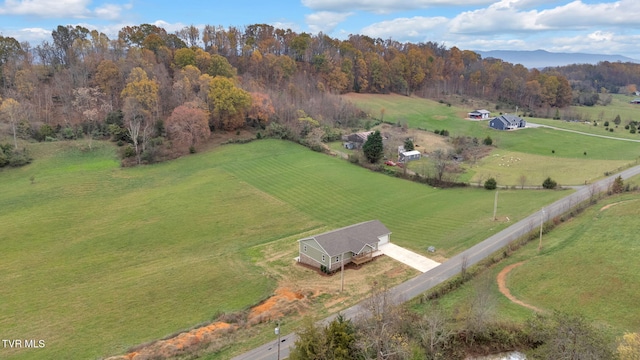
423 141
502 285
613 204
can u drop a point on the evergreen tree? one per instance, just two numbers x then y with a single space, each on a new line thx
408 145
373 148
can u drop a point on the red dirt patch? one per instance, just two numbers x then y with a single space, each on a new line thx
275 306
502 285
178 344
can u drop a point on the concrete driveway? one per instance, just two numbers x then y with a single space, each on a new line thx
407 257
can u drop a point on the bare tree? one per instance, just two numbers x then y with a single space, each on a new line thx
441 161
379 326
434 328
523 181
482 306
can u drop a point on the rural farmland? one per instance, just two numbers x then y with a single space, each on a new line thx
101 243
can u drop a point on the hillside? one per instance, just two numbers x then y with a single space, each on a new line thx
540 59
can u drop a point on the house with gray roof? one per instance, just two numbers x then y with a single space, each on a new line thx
352 244
355 140
507 122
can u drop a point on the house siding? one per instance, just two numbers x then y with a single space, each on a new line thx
313 254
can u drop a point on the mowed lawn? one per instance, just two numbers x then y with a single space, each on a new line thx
96 258
587 266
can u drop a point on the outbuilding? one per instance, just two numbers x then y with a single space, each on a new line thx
480 114
407 156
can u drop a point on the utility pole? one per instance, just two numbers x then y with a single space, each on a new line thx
495 206
278 333
341 272
542 213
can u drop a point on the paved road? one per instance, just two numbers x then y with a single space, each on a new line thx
533 125
452 267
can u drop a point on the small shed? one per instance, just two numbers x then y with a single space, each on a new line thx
635 101
407 156
480 114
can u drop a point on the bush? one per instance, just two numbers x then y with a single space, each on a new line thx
68 133
128 151
490 184
549 184
488 141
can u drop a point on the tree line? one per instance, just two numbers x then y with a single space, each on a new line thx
229 78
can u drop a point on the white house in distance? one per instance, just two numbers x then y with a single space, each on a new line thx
480 114
407 156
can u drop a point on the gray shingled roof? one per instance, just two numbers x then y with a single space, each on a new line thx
351 238
508 119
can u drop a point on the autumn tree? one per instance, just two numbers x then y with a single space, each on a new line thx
141 100
229 103
10 111
188 125
90 103
220 66
373 148
184 57
109 78
261 109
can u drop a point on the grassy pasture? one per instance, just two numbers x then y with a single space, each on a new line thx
97 258
547 152
508 166
619 106
587 265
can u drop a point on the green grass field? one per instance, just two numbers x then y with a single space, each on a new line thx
98 258
587 265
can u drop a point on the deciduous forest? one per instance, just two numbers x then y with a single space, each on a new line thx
160 94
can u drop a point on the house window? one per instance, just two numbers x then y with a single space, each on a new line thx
305 248
322 258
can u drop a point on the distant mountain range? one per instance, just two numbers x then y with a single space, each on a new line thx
541 59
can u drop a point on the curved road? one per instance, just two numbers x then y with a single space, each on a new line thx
452 267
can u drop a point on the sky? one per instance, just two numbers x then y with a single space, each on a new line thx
588 26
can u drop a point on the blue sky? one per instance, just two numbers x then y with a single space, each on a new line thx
593 26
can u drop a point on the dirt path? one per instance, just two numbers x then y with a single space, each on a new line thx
502 285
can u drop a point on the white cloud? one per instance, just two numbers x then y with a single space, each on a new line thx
500 17
325 21
46 8
286 25
110 11
402 29
385 6
580 15
61 9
